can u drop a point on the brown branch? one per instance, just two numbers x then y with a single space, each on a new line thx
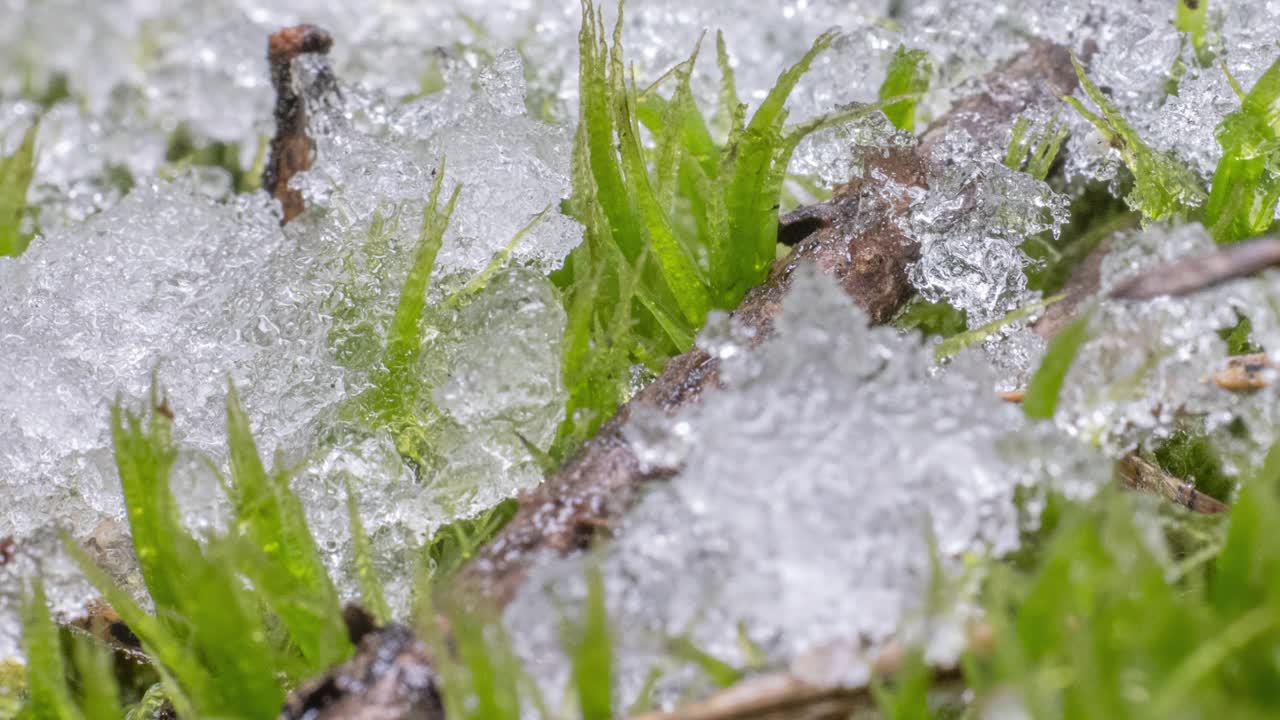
291 148
786 696
857 238
1140 474
1192 274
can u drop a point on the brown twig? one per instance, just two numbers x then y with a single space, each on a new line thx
1192 274
1140 474
787 696
291 148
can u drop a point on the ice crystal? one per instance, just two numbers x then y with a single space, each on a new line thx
181 280
1148 366
971 225
810 492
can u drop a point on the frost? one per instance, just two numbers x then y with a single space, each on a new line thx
971 225
181 282
810 492
511 166
1148 366
836 155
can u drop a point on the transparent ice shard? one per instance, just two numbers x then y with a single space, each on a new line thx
1147 369
971 224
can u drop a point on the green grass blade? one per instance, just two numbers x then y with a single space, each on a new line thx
1016 153
144 458
481 279
187 676
455 543
1191 18
405 335
590 647
50 698
721 673
481 676
908 74
1041 399
1243 196
751 201
729 102
1163 187
16 171
273 519
954 344
371 593
95 668
678 270
908 699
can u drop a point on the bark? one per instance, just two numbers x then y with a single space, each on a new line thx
292 149
1188 275
856 237
390 676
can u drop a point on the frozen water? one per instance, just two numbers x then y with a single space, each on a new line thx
810 492
181 279
200 66
971 225
1147 368
178 277
836 154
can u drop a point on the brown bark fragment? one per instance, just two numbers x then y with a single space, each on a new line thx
1192 274
291 148
856 237
1245 373
390 676
1140 474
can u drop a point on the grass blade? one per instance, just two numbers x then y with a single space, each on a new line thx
50 698
273 519
1243 196
590 647
908 74
16 171
370 586
1041 399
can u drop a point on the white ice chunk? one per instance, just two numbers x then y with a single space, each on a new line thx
810 492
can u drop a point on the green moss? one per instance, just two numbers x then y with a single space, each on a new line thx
672 231
16 171
908 74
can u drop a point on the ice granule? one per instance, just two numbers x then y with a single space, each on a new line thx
181 280
809 492
971 225
200 65
835 154
1146 367
511 166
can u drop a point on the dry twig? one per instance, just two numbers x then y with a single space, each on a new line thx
1140 474
1192 274
291 148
